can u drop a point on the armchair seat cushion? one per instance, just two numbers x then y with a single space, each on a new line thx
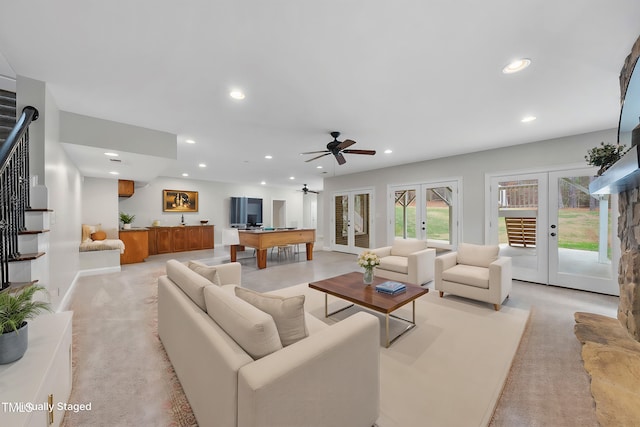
468 274
398 264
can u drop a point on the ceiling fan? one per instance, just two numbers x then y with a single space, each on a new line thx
306 190
337 148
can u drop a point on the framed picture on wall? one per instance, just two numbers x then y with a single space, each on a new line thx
179 201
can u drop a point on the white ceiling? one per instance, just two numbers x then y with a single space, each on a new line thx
422 78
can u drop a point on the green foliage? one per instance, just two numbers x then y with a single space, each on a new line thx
16 308
604 156
126 218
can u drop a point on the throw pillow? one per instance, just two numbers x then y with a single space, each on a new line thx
253 329
86 232
98 235
208 272
288 313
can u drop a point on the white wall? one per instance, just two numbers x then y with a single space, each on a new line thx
63 181
213 203
100 204
472 168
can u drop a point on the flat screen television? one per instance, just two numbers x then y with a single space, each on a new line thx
245 212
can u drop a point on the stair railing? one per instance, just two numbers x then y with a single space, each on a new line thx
14 189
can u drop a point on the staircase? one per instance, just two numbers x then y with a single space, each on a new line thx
23 231
7 114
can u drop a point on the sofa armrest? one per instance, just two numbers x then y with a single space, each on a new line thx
230 274
382 252
422 264
442 263
500 277
331 378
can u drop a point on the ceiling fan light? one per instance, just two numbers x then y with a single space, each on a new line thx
237 94
516 65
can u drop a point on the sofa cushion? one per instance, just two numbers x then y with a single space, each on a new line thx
478 255
189 281
405 247
399 264
253 329
468 275
208 272
288 313
86 232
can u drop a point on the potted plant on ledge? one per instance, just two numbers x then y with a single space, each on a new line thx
126 220
604 156
15 308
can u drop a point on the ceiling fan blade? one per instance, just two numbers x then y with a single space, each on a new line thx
317 157
346 143
369 152
340 158
315 152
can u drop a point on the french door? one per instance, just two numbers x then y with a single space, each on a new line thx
554 230
425 211
352 229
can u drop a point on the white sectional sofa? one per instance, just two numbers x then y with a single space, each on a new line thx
328 378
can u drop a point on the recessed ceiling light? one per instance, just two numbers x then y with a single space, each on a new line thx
318 167
517 65
114 173
111 154
189 141
268 156
185 174
387 151
292 177
202 165
263 183
528 119
236 94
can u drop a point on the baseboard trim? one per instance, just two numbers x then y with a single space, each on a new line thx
102 270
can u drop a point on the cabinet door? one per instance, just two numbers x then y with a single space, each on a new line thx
163 240
195 238
179 238
153 248
207 237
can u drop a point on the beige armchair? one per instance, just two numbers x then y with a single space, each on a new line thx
476 272
407 260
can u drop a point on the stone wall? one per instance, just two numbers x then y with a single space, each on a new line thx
629 269
629 231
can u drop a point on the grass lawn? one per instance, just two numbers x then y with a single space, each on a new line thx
577 228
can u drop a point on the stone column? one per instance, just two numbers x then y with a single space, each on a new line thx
629 269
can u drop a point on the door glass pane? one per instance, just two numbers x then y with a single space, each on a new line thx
361 220
342 220
405 214
518 219
583 229
439 215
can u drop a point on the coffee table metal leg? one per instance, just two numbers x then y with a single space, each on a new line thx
387 328
326 307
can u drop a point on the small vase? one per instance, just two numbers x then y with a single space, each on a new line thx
368 276
127 226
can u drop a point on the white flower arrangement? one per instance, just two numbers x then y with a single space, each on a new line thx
368 260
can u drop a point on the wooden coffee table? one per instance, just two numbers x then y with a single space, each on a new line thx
350 287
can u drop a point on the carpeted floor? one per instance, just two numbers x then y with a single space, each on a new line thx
458 356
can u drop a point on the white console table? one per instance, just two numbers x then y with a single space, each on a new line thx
42 377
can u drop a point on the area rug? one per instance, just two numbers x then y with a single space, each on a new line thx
450 369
